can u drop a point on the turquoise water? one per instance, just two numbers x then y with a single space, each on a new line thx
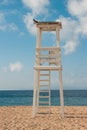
25 98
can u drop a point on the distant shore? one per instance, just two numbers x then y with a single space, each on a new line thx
20 118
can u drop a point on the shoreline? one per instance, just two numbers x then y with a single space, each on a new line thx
20 118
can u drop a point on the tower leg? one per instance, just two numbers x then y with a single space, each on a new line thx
35 94
61 93
38 87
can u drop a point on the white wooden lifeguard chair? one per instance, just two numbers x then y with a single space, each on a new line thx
47 59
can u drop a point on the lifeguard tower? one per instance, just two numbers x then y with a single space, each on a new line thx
47 59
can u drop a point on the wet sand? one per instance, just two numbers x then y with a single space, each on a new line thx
20 118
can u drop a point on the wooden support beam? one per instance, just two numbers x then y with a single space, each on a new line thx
35 94
61 93
57 37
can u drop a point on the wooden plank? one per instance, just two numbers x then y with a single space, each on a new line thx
43 102
43 96
44 91
44 85
45 80
48 48
48 68
44 74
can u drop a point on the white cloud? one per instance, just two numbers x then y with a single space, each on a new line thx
2 22
1 17
4 26
83 25
6 2
70 46
69 34
74 27
12 27
70 28
37 6
77 7
28 20
15 67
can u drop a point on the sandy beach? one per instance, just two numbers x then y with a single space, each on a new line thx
20 118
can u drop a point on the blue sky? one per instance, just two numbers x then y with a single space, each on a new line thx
18 41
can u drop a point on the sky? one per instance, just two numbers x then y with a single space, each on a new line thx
18 41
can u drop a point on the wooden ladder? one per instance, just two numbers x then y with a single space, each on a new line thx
44 94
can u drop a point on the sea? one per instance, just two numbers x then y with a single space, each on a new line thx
25 98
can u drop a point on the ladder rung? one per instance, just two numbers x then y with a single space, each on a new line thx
49 60
44 85
44 80
44 96
47 55
49 48
44 106
44 74
44 91
43 102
